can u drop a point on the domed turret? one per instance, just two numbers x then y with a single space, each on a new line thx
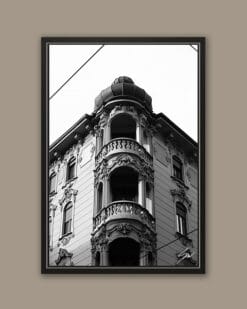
123 87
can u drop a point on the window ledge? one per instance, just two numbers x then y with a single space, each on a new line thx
180 181
69 181
66 235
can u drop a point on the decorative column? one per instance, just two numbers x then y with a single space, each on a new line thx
104 256
150 141
106 191
143 257
141 191
107 134
138 133
95 209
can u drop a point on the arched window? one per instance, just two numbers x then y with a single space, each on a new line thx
123 125
124 184
67 219
181 218
71 169
100 196
52 183
177 168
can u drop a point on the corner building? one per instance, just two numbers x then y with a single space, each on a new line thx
123 187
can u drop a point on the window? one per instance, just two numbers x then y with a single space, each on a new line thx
52 183
181 214
71 169
67 219
177 168
100 196
123 126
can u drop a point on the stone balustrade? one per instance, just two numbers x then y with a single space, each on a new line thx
124 210
123 145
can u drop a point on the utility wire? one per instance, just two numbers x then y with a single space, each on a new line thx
172 241
180 236
193 48
76 72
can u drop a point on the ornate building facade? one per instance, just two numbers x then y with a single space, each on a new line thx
123 187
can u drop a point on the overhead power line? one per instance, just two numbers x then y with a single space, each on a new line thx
76 72
172 241
193 48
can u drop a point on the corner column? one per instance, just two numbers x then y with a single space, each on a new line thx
138 133
107 134
141 191
104 257
106 194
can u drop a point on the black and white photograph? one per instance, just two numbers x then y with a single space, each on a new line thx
123 155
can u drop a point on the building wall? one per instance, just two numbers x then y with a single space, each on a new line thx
165 209
79 243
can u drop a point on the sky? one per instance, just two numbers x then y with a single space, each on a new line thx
168 73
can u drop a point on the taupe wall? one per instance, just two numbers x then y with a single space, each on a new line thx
224 25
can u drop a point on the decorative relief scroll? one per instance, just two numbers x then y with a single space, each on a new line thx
179 195
143 168
126 145
145 237
69 195
118 109
64 258
125 209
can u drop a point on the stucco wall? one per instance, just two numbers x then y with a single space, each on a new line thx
165 206
79 244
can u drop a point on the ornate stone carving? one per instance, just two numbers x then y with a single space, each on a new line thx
123 228
185 254
118 109
64 258
69 195
99 241
180 195
143 121
143 168
127 210
52 209
123 145
103 119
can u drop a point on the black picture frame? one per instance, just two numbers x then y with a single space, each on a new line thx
45 42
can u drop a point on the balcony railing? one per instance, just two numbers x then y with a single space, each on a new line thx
126 145
124 210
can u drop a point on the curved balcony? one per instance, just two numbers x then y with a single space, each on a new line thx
124 210
126 145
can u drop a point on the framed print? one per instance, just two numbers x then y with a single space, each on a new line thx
123 155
